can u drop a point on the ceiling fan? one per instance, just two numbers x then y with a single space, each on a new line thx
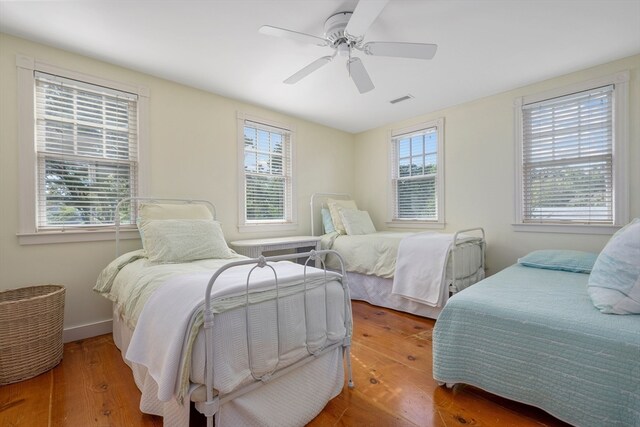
344 33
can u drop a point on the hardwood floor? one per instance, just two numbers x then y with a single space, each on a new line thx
391 358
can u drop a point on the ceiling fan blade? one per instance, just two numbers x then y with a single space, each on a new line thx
363 16
359 75
401 50
294 35
318 63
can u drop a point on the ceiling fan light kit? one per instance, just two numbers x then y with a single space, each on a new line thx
344 32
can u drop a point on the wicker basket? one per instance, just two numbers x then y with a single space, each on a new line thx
31 321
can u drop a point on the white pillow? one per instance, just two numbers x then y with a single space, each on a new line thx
334 206
183 240
614 283
356 222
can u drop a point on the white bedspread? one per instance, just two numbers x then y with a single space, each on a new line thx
421 267
166 322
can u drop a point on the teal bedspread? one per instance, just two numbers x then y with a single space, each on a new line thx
533 336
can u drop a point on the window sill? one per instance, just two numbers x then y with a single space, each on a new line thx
416 224
257 228
73 236
566 228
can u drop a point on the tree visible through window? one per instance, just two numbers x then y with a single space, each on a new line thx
267 171
86 144
567 159
415 175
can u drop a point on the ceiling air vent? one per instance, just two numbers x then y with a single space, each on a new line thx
402 98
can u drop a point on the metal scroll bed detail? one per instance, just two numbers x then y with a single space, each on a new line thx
210 405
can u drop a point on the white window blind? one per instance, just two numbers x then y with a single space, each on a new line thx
87 152
267 173
414 175
567 159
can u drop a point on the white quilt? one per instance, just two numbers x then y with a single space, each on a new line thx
167 321
421 268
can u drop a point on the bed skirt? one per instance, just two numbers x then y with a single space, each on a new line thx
377 291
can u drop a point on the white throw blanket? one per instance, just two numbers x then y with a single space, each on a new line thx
421 267
166 322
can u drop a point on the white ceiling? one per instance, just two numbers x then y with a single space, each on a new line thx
484 47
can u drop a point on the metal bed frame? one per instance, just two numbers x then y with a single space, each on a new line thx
459 239
209 408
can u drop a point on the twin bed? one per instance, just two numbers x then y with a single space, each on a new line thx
533 335
250 342
442 263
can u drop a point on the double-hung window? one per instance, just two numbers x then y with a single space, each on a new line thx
571 157
84 153
417 175
266 152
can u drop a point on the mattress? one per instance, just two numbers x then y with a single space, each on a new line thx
533 335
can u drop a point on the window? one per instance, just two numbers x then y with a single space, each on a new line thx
571 172
82 151
417 175
267 179
87 151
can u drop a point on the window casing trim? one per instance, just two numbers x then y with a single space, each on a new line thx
245 226
28 232
439 223
620 81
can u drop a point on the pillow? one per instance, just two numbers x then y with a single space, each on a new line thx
151 211
551 259
356 222
327 222
614 284
334 205
183 240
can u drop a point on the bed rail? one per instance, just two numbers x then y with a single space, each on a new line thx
213 401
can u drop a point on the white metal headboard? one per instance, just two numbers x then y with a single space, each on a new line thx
134 204
317 200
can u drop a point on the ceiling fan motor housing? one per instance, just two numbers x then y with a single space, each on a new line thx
334 30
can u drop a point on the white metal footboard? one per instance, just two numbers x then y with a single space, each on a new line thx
211 406
458 261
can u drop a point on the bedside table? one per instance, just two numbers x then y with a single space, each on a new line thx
253 248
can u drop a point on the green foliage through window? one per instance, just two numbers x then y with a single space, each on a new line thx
86 142
267 174
415 175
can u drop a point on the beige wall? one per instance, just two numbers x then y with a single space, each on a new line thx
479 168
192 154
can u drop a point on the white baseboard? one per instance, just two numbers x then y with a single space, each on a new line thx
76 333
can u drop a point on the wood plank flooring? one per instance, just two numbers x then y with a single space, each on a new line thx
391 358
